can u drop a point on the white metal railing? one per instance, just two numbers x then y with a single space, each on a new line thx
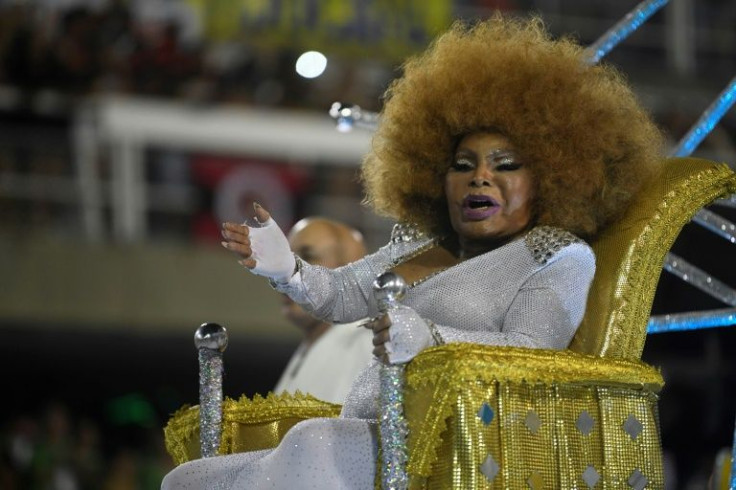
122 129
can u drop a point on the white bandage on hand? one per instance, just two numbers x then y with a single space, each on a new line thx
409 334
271 252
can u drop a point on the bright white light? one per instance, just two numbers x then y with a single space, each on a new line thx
311 64
344 125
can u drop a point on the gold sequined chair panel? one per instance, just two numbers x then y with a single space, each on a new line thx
247 425
487 417
630 254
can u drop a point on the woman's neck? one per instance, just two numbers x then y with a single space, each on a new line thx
467 249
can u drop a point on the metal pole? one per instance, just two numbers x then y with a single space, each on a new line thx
211 341
623 28
86 140
388 289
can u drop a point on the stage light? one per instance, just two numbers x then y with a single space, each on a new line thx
311 64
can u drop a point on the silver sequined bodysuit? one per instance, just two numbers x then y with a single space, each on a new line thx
531 292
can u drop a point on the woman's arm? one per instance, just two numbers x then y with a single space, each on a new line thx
346 294
338 295
545 313
335 295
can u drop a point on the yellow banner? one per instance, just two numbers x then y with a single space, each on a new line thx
378 27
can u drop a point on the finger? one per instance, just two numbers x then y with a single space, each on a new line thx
381 337
239 247
261 214
249 262
243 250
380 324
385 321
235 238
234 229
379 352
378 329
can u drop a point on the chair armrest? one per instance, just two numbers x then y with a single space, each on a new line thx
247 425
525 408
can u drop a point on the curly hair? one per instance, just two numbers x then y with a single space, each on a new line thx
588 143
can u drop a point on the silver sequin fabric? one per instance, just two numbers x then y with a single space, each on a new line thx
531 292
528 293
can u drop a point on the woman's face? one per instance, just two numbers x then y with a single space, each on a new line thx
489 190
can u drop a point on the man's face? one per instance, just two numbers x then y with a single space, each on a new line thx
316 244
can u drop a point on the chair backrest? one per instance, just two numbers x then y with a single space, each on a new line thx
630 254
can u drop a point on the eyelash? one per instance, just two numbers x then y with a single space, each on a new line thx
506 164
462 164
509 166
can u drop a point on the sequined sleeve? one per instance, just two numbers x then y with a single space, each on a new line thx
548 308
345 294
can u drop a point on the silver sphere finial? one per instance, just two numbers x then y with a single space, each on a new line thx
388 289
347 116
211 336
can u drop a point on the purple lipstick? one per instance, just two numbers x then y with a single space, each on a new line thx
477 207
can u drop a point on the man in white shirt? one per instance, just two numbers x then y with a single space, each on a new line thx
331 356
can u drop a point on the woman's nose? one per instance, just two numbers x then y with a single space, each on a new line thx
480 178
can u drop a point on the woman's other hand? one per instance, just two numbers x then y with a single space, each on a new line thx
399 335
380 326
263 249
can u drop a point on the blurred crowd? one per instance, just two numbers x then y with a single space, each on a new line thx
154 49
58 451
78 50
164 48
118 49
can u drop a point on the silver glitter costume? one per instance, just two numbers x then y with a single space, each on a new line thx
530 292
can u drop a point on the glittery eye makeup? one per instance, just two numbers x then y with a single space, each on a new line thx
461 164
502 156
501 159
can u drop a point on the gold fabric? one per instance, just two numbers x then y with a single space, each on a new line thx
448 441
722 474
630 254
247 425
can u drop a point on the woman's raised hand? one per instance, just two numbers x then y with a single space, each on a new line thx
263 249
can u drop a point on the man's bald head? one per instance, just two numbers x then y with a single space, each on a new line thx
321 241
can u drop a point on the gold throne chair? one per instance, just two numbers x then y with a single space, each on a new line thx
486 417
483 417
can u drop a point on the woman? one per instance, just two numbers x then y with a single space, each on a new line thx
506 151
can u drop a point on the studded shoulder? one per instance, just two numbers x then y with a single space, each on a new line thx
545 241
406 232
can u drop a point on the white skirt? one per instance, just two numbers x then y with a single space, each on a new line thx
337 453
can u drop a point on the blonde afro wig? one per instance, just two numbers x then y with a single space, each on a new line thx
579 128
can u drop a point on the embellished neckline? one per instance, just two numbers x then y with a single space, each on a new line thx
416 253
543 242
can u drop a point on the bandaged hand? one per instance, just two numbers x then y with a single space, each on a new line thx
263 249
400 334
